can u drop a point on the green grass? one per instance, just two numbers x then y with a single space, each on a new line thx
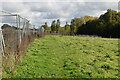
66 57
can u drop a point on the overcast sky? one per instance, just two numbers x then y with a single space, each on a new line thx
41 11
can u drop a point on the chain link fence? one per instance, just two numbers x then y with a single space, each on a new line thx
16 34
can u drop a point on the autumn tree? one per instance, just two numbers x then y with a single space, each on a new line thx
67 28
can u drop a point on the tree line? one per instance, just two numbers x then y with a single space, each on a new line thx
107 25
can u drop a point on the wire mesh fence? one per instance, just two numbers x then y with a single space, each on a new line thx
15 35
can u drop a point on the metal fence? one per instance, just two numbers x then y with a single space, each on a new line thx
15 36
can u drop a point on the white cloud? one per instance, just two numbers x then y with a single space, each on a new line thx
40 12
59 0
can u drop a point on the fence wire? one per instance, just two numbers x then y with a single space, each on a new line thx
15 36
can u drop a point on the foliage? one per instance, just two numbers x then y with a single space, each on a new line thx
108 25
77 22
62 30
55 26
45 26
7 26
73 27
67 28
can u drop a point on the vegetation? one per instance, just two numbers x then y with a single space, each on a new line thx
67 56
45 26
77 22
55 26
107 25
67 28
8 26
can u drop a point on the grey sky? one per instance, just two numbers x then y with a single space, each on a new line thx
47 11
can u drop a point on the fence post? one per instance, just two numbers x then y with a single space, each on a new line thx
2 44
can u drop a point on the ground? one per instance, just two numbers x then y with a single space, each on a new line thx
67 56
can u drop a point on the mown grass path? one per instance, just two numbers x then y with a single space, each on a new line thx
65 56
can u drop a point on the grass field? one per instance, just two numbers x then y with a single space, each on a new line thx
66 57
